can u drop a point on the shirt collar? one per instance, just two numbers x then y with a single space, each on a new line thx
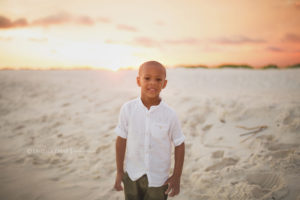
152 108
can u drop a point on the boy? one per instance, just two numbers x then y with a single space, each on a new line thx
146 130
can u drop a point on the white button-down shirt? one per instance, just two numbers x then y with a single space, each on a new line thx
150 135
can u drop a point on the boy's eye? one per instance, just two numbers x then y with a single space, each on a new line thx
158 79
147 78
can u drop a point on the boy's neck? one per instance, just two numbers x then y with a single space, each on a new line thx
148 102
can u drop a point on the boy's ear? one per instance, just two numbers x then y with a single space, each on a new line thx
138 81
165 84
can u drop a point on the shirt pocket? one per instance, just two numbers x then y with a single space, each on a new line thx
159 130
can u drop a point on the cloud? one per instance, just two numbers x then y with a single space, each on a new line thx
275 49
290 37
58 18
7 23
187 41
149 42
103 20
145 42
63 18
297 5
85 20
50 20
126 28
238 40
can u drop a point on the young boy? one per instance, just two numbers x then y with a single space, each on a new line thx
146 130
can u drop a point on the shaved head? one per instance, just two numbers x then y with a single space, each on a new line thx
152 64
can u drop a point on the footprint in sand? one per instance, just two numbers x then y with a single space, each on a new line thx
19 127
207 127
101 148
281 146
267 185
217 154
264 180
225 162
65 104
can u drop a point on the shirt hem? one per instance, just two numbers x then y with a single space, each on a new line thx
179 141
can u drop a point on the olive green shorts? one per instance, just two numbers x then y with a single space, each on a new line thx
139 190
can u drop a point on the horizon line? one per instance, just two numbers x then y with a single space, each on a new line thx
225 65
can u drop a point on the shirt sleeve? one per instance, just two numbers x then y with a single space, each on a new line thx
122 127
176 133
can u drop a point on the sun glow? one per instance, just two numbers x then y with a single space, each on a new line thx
48 51
99 55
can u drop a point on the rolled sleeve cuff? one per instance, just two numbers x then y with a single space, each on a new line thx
120 133
179 141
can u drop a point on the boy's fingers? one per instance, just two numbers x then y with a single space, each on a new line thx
118 187
169 189
174 192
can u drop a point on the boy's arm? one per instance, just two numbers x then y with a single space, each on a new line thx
174 180
120 154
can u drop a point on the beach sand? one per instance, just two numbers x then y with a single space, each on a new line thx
242 131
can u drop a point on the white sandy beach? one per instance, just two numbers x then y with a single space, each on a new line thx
242 131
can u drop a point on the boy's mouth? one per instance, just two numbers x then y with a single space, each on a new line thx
151 90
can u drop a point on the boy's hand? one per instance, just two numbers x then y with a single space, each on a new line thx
173 186
118 181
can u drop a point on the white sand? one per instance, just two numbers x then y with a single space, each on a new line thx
57 138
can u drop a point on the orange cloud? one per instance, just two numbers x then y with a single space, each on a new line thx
7 23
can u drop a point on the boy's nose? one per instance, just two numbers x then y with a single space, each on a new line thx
152 82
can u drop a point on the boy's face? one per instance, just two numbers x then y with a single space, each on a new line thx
151 79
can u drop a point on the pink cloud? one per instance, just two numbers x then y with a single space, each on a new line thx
7 23
85 20
145 42
275 49
291 37
50 20
59 18
187 41
103 20
126 28
238 40
297 5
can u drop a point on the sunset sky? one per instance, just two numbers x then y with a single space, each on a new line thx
125 33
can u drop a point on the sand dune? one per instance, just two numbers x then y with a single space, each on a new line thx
242 132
